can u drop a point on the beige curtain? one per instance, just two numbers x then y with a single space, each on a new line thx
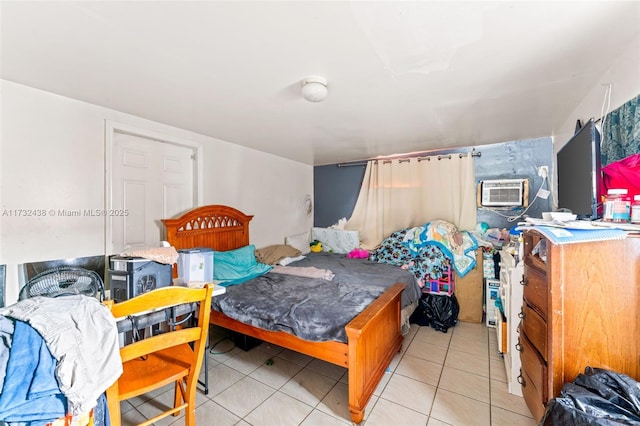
403 193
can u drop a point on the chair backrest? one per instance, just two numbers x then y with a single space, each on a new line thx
164 298
175 355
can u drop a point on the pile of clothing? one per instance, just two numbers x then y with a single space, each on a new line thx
57 358
430 264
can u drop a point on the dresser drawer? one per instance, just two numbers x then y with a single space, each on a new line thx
532 396
535 290
535 328
534 367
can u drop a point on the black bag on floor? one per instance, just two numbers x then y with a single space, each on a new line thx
437 310
597 397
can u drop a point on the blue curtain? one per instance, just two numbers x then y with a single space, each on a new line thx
621 132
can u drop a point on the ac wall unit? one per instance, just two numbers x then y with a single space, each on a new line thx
504 193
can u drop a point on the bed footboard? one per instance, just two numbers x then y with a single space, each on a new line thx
333 352
374 339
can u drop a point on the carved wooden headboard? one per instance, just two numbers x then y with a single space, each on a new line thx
217 227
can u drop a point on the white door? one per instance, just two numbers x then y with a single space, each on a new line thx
151 180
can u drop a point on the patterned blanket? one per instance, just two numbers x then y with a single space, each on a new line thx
428 251
429 264
459 246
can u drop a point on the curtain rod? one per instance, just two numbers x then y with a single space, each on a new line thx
402 158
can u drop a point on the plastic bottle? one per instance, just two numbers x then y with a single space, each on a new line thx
617 206
520 248
635 209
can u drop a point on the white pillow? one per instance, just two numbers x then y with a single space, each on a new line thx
287 260
300 241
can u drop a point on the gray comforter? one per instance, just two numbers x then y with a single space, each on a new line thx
314 309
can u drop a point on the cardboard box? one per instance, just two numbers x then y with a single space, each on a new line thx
468 291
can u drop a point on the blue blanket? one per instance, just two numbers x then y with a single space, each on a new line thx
237 266
30 392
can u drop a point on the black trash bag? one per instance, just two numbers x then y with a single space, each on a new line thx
597 397
437 310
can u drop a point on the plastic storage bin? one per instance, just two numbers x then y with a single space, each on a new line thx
444 285
195 265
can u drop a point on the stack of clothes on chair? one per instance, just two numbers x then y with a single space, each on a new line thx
57 358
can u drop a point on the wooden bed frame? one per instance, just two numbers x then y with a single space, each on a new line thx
374 336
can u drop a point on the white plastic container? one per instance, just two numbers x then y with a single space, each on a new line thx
195 265
617 206
635 210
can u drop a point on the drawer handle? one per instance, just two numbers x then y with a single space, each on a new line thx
520 379
521 314
519 346
524 282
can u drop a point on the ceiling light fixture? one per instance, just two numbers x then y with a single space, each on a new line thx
314 89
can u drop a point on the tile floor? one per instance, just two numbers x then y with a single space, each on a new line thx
454 378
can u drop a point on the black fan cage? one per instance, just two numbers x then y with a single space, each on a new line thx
64 281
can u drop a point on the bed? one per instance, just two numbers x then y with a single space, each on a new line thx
373 337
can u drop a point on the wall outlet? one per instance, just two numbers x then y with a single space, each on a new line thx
543 171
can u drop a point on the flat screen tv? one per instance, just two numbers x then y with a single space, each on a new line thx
580 175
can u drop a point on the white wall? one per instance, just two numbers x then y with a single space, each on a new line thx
624 76
52 156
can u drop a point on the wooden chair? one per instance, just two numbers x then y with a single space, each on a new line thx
172 356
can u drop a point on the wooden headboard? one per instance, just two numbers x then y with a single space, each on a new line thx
216 226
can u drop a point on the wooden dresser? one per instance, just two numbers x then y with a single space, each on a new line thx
581 307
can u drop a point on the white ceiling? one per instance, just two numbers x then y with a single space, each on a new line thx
403 76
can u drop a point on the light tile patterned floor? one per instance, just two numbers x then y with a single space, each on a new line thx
454 378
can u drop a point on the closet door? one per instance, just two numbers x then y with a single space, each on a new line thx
151 180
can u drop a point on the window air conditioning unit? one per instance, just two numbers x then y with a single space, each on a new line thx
503 193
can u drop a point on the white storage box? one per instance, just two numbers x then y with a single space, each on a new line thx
195 265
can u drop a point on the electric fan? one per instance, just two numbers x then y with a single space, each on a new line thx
64 281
